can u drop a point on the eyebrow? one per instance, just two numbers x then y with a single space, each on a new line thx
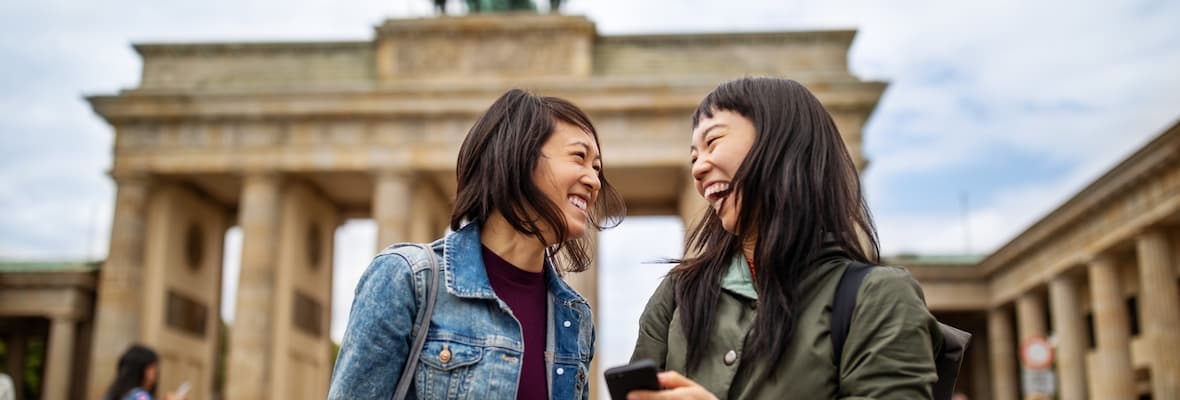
587 147
692 148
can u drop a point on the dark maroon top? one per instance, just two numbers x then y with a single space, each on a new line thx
528 298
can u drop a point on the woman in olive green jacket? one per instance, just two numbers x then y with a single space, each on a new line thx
748 315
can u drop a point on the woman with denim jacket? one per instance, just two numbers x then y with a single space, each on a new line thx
747 313
504 326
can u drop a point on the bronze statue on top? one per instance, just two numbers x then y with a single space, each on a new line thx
486 6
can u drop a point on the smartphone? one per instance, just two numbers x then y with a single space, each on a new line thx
183 389
639 375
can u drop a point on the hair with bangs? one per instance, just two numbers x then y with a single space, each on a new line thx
799 192
495 168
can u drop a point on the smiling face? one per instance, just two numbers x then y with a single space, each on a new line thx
149 377
567 173
719 145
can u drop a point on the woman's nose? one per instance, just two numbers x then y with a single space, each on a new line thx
700 167
591 181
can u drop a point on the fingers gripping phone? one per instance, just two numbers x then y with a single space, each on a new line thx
639 375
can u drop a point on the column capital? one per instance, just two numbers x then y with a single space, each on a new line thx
1099 259
395 173
263 175
1151 233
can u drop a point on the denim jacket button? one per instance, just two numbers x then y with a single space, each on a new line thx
444 355
566 324
561 371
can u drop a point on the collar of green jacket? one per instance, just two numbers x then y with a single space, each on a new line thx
739 281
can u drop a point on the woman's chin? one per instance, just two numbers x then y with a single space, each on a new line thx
575 233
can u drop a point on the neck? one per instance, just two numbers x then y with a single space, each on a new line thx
748 246
520 250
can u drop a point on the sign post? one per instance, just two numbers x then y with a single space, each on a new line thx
1037 378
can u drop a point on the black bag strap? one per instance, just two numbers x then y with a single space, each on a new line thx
423 321
843 305
947 358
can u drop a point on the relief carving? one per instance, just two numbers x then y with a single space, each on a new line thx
461 56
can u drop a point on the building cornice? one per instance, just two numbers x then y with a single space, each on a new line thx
842 37
230 48
435 98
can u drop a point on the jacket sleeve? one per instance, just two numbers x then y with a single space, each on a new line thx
654 324
376 341
889 352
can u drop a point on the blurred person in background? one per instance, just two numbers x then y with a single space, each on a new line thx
137 376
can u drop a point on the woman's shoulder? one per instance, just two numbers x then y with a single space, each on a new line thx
666 290
393 270
663 299
137 394
891 284
404 257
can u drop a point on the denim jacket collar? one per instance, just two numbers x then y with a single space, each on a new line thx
466 275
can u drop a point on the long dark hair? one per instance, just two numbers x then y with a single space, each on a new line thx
132 365
495 168
799 193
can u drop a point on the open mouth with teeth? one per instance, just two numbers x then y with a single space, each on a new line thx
578 201
716 193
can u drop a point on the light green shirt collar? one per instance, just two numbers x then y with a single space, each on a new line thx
738 279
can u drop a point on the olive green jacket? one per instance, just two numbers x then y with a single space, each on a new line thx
889 353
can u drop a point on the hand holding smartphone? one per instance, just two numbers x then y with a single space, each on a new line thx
639 375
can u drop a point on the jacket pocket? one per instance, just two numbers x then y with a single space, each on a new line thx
446 369
569 378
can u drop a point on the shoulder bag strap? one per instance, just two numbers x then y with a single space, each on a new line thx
844 304
403 384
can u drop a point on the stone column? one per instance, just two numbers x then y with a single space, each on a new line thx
120 290
59 360
981 380
692 206
1070 331
1030 312
425 206
391 207
1030 316
1003 349
1113 376
249 375
1159 299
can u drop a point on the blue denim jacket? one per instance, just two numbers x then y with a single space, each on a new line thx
474 325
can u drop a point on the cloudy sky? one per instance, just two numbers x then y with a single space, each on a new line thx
1012 106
